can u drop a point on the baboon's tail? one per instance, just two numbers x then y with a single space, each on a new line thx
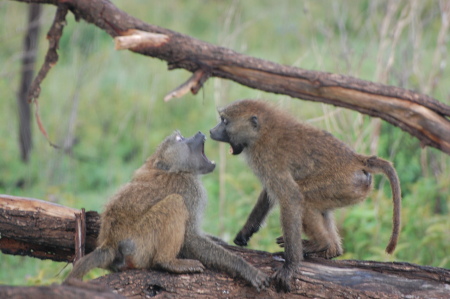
99 258
378 165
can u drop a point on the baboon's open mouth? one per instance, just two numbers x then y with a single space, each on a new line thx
236 149
203 152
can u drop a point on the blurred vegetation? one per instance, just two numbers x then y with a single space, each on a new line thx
113 100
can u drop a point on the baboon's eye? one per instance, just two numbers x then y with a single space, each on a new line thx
225 121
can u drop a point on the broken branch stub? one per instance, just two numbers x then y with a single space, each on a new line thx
193 84
134 39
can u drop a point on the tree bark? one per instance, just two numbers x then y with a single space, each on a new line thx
316 278
44 230
79 291
418 114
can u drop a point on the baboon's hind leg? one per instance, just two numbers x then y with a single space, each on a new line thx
170 237
324 240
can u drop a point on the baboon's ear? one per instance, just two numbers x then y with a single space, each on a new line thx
254 121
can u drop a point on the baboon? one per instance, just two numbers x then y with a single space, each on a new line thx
307 171
153 222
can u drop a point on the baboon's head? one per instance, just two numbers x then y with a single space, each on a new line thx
239 124
179 154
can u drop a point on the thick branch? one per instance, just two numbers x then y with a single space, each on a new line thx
418 114
317 278
47 230
42 229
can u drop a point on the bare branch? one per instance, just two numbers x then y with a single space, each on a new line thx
418 114
51 58
53 36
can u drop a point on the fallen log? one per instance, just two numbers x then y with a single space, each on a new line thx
316 278
42 229
47 231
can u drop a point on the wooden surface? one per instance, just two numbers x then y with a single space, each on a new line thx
317 278
43 227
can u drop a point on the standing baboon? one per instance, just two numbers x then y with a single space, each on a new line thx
307 171
153 220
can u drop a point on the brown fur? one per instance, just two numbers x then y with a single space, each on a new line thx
308 171
155 219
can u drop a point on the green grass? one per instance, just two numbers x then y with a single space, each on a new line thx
121 117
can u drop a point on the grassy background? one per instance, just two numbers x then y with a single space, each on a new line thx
118 116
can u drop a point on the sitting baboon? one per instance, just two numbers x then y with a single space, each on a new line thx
154 220
307 171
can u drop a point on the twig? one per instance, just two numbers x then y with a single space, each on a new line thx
51 58
194 84
40 124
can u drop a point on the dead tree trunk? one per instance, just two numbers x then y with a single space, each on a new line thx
418 114
30 47
44 230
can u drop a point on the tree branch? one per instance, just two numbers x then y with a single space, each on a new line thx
418 114
42 229
51 58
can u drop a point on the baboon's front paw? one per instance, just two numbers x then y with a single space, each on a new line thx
240 239
282 278
260 281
